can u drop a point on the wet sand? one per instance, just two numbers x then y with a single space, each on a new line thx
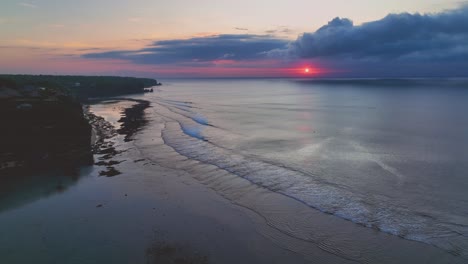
165 208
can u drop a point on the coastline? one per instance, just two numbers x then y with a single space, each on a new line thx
209 214
132 120
290 223
163 207
260 206
46 126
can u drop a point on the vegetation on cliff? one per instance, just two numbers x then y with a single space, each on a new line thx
81 87
43 120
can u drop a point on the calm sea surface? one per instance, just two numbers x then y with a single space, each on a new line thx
388 154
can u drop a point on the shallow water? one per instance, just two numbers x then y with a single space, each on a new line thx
390 155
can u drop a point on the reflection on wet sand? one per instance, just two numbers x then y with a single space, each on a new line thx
131 120
22 186
19 189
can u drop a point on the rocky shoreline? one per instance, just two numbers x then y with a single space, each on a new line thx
29 145
132 120
46 127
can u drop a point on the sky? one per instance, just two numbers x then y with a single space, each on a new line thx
243 38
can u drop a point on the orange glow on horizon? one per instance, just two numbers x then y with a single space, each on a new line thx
34 61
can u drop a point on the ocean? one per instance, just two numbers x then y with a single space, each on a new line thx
387 154
262 171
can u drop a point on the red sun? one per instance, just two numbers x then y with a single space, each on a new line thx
307 70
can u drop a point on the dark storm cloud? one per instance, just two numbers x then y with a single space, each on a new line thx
416 37
237 47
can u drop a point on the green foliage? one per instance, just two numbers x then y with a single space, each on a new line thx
80 86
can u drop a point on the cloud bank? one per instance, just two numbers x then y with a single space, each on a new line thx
236 47
397 45
441 36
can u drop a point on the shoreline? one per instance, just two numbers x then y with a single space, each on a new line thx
305 224
270 226
132 120
163 206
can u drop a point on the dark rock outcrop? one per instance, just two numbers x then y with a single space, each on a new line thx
43 131
42 120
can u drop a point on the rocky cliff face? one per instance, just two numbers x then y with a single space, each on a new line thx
42 123
42 128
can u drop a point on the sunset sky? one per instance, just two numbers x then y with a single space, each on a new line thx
244 38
